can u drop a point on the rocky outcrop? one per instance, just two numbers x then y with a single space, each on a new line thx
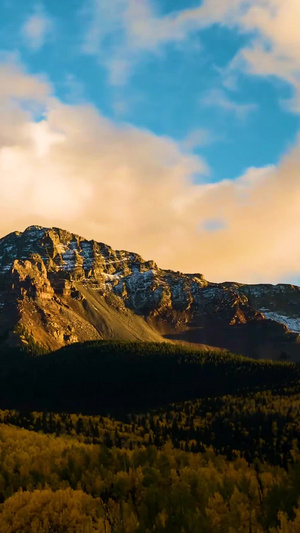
63 288
30 278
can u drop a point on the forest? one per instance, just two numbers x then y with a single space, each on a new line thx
121 377
134 438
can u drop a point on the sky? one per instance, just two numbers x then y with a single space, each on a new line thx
165 127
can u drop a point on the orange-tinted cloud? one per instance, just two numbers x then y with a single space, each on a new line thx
135 190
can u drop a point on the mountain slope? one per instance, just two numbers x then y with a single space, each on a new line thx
57 288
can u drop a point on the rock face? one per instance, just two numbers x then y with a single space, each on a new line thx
57 288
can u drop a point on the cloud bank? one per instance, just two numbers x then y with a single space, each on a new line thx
135 190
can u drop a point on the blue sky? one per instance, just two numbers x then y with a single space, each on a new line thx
167 90
217 80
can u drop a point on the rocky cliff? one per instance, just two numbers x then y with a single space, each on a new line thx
57 288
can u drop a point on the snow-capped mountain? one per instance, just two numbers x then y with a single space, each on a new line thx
58 288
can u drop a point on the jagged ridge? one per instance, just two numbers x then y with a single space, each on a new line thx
60 288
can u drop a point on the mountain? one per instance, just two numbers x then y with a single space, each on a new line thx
57 288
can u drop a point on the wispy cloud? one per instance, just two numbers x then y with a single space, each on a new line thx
36 29
197 138
74 88
123 30
218 98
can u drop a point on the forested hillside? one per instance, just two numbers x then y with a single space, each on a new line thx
130 484
118 377
194 442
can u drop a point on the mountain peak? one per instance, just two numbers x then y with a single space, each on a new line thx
63 288
34 227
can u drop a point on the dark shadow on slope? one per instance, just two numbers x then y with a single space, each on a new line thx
265 339
119 377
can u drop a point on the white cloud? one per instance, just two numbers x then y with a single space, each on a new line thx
20 96
198 137
135 190
120 31
17 84
218 98
274 38
36 29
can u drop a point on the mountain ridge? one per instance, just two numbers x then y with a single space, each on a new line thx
57 288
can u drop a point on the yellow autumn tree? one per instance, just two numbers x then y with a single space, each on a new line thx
62 511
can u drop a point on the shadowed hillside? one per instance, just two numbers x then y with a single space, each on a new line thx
119 376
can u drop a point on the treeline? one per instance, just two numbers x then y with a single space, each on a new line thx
59 484
116 377
263 425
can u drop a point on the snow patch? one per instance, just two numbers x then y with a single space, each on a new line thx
292 322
